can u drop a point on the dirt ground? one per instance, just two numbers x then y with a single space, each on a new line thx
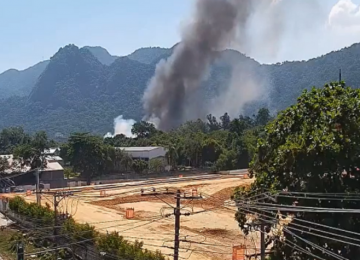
210 232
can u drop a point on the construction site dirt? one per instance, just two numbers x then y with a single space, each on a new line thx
209 232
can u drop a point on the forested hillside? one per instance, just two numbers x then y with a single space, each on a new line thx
19 83
84 89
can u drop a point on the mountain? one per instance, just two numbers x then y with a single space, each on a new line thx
101 54
77 91
150 55
71 76
20 82
289 79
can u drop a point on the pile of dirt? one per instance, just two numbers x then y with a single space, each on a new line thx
206 202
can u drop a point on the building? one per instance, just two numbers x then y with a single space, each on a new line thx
144 153
51 176
55 158
55 151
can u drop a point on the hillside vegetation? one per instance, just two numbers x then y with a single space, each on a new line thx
84 89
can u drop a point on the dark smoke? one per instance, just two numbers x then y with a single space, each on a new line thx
177 78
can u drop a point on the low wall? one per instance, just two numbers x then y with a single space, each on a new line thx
115 178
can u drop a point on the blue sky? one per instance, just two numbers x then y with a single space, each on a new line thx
31 31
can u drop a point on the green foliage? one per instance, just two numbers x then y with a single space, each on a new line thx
4 164
156 165
312 146
112 244
143 129
140 166
78 231
68 173
88 155
31 210
12 137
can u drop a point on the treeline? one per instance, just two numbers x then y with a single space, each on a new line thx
75 235
216 144
28 149
306 167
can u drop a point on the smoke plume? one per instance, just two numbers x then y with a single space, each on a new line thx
171 96
177 78
122 126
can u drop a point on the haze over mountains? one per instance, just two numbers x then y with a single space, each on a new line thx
84 89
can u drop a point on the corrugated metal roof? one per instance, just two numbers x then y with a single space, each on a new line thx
51 150
53 158
53 166
138 149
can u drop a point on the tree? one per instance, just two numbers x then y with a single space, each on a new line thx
225 121
172 155
139 166
88 155
212 123
312 147
263 117
156 165
12 137
127 161
4 164
143 129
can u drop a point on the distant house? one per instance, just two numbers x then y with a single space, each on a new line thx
55 158
144 153
55 151
21 175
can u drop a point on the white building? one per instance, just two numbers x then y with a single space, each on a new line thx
144 153
52 151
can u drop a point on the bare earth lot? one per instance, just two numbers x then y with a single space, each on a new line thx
209 233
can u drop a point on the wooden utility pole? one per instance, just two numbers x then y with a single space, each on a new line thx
262 240
58 197
20 251
38 195
56 203
177 226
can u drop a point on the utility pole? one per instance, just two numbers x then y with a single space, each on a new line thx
56 203
58 197
177 226
262 240
177 214
38 196
20 251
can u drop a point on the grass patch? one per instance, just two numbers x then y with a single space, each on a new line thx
5 244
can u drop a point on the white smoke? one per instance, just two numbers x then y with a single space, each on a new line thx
122 126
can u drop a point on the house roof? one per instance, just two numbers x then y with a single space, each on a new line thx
15 165
53 158
53 166
138 149
51 150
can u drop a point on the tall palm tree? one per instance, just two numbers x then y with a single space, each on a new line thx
126 161
171 155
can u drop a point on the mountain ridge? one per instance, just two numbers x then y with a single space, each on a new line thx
78 92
